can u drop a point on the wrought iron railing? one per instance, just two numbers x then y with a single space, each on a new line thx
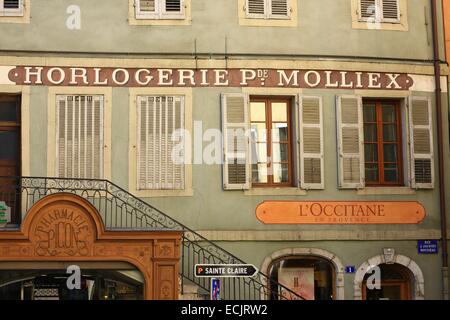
121 210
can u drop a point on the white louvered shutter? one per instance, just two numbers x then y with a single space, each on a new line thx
367 9
158 118
79 136
350 141
279 9
311 143
421 143
173 9
236 156
256 8
11 8
390 11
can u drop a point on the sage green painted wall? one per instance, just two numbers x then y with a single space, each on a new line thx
324 28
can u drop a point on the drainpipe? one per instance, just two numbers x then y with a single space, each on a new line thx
437 76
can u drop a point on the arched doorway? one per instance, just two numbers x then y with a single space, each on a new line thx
314 274
395 284
397 269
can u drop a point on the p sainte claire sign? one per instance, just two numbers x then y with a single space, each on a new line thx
341 212
163 77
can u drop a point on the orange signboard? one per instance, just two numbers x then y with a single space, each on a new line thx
341 212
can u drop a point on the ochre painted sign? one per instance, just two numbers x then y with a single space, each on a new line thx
342 212
163 77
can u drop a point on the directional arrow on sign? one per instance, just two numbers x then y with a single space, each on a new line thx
225 270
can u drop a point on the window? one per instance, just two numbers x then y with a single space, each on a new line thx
382 142
79 139
271 142
371 141
268 9
310 277
159 9
379 11
11 8
158 118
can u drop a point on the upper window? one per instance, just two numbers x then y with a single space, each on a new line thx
376 11
271 142
12 8
382 142
79 139
159 9
268 9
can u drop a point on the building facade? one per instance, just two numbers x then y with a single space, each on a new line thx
298 136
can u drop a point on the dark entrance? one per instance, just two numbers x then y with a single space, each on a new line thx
396 284
10 158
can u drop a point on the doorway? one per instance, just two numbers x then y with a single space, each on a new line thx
10 156
396 284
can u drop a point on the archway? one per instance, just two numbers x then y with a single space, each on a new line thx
314 255
66 227
403 275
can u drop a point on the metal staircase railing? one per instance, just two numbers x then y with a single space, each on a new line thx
121 210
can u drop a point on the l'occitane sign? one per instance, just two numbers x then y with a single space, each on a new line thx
343 212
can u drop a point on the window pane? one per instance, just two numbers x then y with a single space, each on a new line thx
259 152
279 112
390 173
8 111
390 152
389 133
370 114
258 111
370 132
259 173
279 132
8 143
389 114
280 173
371 172
370 152
259 132
280 152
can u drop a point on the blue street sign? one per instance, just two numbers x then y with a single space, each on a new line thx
350 269
427 246
215 289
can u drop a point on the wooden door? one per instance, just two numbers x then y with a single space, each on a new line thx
390 290
10 158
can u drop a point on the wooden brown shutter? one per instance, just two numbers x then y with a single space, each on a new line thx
421 143
158 118
350 142
236 157
311 143
79 136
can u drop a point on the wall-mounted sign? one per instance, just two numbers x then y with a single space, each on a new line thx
163 77
5 214
225 270
427 247
350 269
215 289
341 212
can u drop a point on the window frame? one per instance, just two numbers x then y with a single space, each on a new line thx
380 143
268 12
378 16
19 12
268 100
160 12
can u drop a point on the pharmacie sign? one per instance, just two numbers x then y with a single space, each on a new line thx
162 77
340 212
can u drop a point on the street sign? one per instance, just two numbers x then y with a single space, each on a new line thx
215 289
427 247
350 269
225 270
